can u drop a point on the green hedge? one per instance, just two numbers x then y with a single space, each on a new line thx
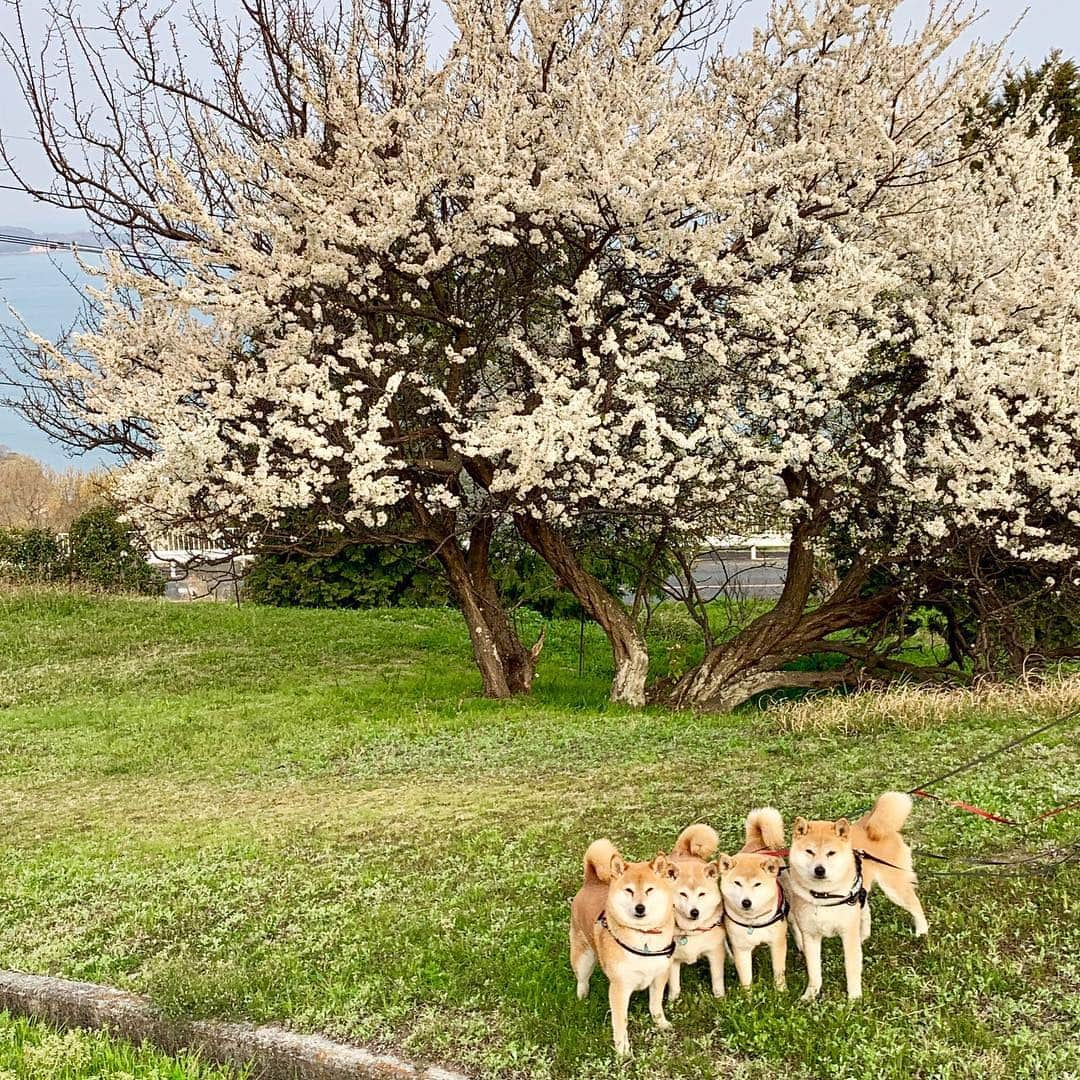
33 556
403 575
359 576
99 553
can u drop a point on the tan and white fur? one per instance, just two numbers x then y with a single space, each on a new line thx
822 859
699 925
636 899
752 896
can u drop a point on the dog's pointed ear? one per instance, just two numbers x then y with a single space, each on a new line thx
712 869
618 867
725 862
660 864
771 865
800 826
842 827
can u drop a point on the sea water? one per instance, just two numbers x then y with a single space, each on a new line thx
45 290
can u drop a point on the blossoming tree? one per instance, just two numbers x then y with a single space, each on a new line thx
589 266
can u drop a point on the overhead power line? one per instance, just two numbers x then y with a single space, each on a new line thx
92 249
54 245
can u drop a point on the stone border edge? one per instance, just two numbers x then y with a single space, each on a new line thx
274 1053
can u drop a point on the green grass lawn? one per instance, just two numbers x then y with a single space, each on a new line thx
312 818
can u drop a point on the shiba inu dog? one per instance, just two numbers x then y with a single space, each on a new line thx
623 916
754 904
699 917
833 865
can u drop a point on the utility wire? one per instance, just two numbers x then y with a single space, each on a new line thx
1026 737
54 245
91 249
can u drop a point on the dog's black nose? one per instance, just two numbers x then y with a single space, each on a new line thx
819 871
639 909
746 901
694 913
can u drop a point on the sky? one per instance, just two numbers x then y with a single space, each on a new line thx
1043 25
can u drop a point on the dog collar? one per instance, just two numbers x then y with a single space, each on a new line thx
857 895
666 951
782 908
682 933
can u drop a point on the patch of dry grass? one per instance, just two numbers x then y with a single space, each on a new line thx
911 708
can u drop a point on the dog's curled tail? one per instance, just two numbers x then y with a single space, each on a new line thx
764 829
598 861
887 816
696 841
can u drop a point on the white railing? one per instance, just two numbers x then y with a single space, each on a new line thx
181 541
183 549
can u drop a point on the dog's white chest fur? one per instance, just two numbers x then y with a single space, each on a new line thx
691 947
743 937
818 918
640 971
822 921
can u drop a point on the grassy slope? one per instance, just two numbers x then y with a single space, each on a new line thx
311 817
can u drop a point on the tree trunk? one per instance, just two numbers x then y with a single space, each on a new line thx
506 666
485 649
752 662
519 663
627 647
751 652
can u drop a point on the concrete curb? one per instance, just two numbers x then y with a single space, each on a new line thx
275 1052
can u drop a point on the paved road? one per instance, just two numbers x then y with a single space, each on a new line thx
731 571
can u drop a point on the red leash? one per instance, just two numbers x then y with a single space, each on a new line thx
1057 810
971 809
922 792
964 806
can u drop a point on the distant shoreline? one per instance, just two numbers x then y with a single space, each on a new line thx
18 240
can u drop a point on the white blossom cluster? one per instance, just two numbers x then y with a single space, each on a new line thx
554 267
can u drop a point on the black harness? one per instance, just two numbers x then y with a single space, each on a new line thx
883 862
782 909
857 894
666 951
